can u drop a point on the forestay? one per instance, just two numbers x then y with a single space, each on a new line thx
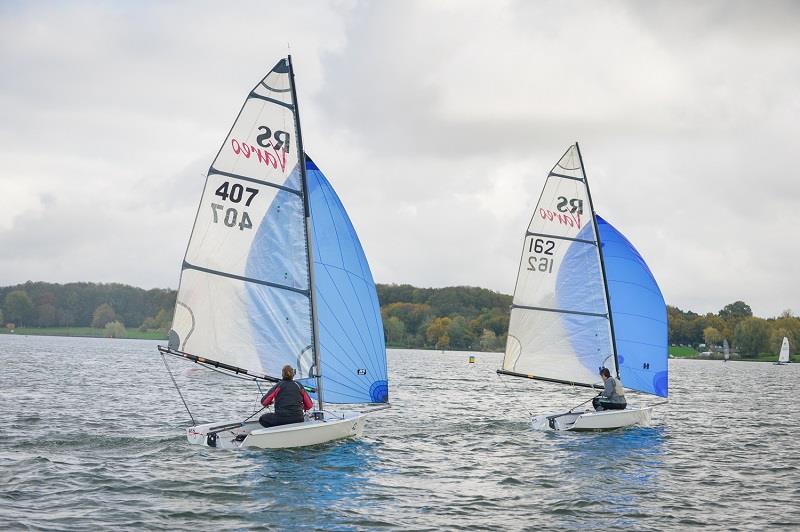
352 346
639 313
244 291
559 327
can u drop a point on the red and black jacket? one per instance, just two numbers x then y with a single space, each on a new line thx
290 399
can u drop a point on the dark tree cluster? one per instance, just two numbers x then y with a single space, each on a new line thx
39 304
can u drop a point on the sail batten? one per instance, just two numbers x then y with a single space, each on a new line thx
545 309
213 170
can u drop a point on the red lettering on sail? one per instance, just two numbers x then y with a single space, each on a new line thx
275 159
568 219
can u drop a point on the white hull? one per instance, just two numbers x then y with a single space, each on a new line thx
336 426
591 420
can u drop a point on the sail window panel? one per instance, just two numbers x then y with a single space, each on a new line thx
252 326
563 210
262 145
570 164
276 84
560 346
263 241
561 275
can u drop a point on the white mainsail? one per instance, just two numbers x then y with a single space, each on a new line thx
560 327
726 350
244 295
784 355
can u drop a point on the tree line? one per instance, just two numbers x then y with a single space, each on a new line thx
39 304
747 334
458 317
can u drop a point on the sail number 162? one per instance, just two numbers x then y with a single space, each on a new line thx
539 263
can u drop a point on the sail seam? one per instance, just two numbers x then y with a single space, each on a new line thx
639 343
637 285
631 314
214 171
271 100
189 266
344 350
562 311
565 176
584 241
357 350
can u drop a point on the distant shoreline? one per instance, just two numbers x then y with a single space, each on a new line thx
679 353
84 332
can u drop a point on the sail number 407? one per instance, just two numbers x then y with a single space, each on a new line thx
231 217
539 263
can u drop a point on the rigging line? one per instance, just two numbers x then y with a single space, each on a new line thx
508 388
164 359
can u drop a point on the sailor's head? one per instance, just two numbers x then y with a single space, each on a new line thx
604 374
287 372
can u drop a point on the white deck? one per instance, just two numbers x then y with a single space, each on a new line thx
336 425
591 420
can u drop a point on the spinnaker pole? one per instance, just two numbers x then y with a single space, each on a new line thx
301 157
602 261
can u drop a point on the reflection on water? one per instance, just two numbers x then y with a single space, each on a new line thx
95 439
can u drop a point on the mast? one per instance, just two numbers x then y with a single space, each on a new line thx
602 262
301 156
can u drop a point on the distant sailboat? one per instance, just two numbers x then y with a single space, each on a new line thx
274 275
584 298
783 357
726 350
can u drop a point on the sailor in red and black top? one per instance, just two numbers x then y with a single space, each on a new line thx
290 399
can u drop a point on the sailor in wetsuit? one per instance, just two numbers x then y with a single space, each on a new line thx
613 395
290 400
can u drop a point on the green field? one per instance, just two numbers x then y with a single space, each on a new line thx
682 352
84 332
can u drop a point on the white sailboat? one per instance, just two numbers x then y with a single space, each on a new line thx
274 274
726 350
584 299
783 357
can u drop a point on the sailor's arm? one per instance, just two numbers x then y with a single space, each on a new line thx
270 396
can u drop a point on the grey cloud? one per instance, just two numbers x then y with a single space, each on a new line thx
436 122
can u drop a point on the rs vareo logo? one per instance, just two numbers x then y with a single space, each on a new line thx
277 140
272 147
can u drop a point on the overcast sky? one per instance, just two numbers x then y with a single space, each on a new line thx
436 122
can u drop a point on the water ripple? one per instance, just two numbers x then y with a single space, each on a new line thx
94 439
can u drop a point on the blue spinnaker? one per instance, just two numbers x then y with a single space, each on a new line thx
352 346
639 314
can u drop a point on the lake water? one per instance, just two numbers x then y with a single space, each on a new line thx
94 438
